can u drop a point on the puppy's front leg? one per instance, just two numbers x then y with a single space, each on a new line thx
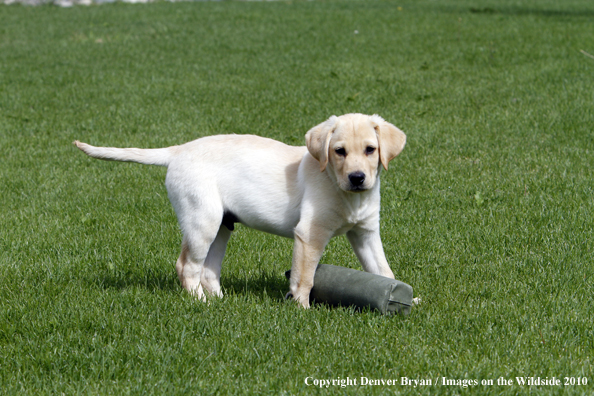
308 249
367 245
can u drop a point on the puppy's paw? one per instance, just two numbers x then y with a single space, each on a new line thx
197 292
303 302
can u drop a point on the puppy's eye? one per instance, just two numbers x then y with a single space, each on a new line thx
369 150
340 151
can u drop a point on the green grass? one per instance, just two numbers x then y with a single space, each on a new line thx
487 213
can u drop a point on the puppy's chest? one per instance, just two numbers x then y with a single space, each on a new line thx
358 212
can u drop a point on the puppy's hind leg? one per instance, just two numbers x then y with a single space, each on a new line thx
211 274
183 262
199 235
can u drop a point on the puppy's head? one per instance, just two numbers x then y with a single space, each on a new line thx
353 146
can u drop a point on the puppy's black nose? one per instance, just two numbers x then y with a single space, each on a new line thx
357 178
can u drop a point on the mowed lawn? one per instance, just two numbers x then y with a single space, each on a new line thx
487 213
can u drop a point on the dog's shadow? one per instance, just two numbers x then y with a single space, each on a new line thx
150 280
260 284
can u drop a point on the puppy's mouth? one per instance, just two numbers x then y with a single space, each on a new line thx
357 189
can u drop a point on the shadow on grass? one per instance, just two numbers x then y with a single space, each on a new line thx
261 284
151 280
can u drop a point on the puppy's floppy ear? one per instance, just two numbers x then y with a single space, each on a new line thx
391 139
318 141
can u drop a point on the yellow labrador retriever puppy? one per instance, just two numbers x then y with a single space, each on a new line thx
311 194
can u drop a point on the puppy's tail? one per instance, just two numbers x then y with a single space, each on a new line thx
160 156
